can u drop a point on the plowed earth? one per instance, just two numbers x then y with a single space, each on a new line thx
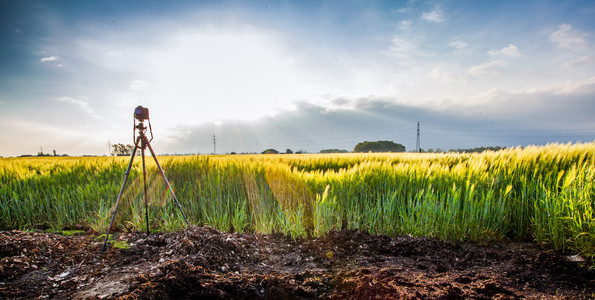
201 262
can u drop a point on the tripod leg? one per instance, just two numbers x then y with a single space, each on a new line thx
167 182
120 195
142 151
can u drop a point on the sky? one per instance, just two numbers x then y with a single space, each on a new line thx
299 75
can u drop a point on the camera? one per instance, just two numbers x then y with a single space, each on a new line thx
141 113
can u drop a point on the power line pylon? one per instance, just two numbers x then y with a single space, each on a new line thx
214 145
417 145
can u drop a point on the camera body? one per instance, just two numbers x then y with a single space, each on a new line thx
141 113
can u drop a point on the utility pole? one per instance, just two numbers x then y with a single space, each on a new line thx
214 145
417 146
109 148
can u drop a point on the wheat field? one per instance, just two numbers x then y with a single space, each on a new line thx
539 193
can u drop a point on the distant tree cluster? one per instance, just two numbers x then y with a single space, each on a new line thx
379 146
470 150
40 153
273 151
270 151
437 150
122 150
477 150
333 151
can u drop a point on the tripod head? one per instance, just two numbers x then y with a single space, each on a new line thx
141 114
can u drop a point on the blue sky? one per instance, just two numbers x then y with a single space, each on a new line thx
304 75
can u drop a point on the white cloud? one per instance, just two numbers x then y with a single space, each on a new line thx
138 85
402 48
569 100
72 100
579 62
223 74
568 38
113 53
405 25
220 73
441 74
404 9
434 16
511 50
47 59
566 88
458 45
584 87
489 68
82 104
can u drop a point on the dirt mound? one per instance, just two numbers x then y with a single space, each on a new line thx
201 262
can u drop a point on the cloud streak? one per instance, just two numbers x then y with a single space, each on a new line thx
458 45
434 16
511 51
403 48
48 59
490 68
568 38
582 61
83 105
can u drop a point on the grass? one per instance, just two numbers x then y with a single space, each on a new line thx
543 194
121 245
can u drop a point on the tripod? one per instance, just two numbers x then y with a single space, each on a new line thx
144 143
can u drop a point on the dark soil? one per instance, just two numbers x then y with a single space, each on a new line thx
201 262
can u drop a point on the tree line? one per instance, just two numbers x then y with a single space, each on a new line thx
362 147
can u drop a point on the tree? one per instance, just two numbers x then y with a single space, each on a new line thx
333 151
122 150
379 146
288 151
478 149
270 151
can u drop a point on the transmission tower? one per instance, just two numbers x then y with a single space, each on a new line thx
417 146
214 145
